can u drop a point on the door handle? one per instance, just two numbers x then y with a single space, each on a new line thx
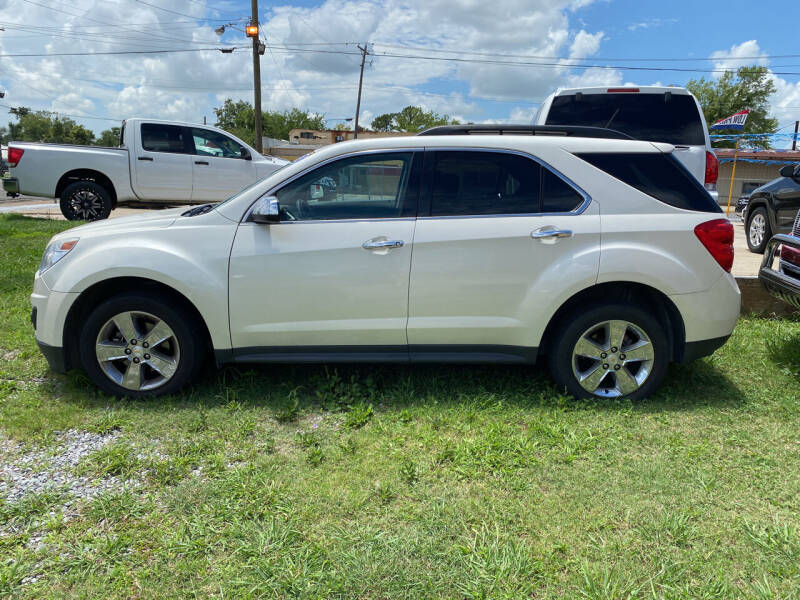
201 162
550 232
150 158
377 245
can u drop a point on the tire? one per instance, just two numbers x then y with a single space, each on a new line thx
758 230
162 368
85 201
615 374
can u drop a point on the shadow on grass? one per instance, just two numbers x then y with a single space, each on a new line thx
686 387
786 354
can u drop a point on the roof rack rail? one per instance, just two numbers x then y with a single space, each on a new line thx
553 130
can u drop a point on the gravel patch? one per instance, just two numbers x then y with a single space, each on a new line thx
33 472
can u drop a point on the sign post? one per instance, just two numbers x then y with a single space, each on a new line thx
735 121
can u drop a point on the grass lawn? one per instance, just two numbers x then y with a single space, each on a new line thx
401 482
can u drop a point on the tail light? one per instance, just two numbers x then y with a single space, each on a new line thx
717 237
623 90
712 171
14 156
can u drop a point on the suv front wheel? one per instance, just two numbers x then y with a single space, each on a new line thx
136 345
758 230
609 351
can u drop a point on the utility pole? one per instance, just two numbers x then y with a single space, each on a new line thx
794 140
256 77
364 53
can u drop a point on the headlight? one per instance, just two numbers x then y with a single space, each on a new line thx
55 251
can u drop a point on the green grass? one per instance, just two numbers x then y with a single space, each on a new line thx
414 482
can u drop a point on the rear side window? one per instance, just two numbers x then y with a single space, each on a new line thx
674 119
661 176
163 138
496 183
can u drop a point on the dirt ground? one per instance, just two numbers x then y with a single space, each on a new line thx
745 262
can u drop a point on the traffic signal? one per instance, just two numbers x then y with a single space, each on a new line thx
251 30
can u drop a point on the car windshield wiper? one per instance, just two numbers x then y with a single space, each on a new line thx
198 210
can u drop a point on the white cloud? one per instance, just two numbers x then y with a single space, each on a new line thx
739 55
650 23
189 85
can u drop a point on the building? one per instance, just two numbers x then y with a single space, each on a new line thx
303 141
753 169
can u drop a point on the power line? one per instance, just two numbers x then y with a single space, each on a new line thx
117 52
54 112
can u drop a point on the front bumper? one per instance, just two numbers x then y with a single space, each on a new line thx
55 355
48 317
11 185
780 283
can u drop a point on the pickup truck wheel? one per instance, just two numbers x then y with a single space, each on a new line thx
139 345
758 230
85 201
609 351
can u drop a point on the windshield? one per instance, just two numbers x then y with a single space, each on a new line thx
649 117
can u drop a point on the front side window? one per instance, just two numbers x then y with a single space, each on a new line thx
157 137
372 186
213 143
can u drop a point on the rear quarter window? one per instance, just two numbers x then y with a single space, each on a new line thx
660 176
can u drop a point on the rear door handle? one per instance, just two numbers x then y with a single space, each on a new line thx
377 245
201 162
550 232
150 158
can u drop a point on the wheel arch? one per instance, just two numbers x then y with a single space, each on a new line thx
628 292
100 291
761 202
87 175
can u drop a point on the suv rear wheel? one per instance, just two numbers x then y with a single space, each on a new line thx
758 230
610 351
136 345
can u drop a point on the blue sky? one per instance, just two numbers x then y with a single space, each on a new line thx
310 63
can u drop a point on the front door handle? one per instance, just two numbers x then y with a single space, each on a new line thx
201 162
550 232
150 158
381 244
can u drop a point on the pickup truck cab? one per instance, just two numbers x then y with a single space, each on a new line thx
159 162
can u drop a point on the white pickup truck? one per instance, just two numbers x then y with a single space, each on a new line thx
158 162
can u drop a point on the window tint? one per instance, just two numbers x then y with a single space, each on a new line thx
484 183
163 138
658 175
557 195
647 117
360 187
213 143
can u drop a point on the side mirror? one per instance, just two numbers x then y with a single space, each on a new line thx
245 154
266 211
787 171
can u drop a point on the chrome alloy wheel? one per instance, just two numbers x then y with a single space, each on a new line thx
612 359
86 204
758 225
137 351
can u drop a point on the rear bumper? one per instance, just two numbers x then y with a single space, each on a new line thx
11 185
711 314
699 349
780 283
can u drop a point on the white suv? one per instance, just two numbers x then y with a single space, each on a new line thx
605 255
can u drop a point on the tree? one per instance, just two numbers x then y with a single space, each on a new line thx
411 118
749 87
238 118
45 126
109 137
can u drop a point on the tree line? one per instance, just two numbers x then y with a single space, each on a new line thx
748 87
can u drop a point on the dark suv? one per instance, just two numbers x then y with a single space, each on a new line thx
772 208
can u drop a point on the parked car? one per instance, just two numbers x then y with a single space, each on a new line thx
654 113
783 282
157 162
508 263
772 208
741 204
